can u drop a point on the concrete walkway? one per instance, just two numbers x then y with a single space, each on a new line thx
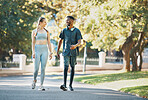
19 88
90 69
16 85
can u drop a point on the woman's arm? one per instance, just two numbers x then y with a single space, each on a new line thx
33 44
48 40
49 45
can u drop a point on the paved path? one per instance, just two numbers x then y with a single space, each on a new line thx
18 88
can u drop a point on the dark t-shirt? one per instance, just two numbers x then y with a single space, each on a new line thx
70 37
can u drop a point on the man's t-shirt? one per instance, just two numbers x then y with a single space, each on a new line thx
70 37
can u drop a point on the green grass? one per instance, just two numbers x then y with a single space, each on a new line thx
28 62
96 79
142 91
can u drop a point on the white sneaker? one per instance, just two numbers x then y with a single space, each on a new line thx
41 88
33 85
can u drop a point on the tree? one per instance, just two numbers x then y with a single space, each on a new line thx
107 24
140 21
106 28
112 25
17 20
137 14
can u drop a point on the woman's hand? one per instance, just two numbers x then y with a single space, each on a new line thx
33 55
50 56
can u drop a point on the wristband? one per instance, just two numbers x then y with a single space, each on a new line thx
51 53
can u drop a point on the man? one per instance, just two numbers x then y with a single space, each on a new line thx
71 37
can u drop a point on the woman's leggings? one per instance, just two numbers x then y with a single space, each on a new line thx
41 55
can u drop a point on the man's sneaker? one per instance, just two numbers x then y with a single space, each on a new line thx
63 87
70 88
33 85
41 88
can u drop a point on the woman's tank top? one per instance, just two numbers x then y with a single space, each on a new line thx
41 36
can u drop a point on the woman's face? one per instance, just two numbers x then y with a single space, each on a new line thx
44 23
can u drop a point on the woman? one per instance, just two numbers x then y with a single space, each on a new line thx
40 39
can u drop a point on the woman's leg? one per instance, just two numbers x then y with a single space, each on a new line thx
36 65
44 58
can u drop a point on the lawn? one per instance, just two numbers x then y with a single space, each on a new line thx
96 79
142 91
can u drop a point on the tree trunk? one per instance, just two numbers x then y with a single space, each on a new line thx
134 62
136 51
133 55
140 64
126 48
144 44
126 61
0 54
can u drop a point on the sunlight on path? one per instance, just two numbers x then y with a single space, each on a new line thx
116 85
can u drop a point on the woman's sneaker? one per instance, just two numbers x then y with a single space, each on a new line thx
41 88
33 85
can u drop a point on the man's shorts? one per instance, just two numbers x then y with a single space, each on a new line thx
70 60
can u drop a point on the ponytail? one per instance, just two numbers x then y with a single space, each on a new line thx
36 31
46 30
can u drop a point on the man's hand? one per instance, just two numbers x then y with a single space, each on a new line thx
73 47
59 45
58 55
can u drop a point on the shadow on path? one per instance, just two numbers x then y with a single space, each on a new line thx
18 88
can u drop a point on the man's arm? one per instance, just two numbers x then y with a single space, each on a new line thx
76 45
59 45
78 38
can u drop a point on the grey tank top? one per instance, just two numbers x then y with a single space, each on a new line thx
41 36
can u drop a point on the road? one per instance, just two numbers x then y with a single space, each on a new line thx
19 88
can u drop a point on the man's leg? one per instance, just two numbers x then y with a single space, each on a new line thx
65 74
66 65
72 72
72 64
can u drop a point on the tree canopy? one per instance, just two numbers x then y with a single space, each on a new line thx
16 24
106 24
